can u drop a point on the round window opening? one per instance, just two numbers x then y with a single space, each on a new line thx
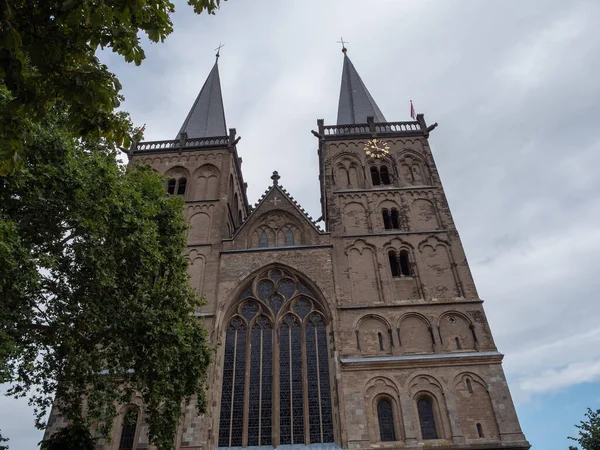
452 319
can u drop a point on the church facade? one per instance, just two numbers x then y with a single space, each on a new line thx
368 333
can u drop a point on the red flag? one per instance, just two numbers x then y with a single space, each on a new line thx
413 114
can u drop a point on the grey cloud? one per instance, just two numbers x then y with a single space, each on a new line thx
513 85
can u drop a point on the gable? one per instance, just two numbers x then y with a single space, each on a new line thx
277 221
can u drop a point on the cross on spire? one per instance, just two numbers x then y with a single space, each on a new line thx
218 49
275 177
341 41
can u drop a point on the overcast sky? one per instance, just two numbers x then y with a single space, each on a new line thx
514 87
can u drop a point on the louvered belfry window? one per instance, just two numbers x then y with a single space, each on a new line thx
277 336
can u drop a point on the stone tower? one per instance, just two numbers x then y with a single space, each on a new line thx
368 334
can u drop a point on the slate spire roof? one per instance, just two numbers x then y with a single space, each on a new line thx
207 116
356 103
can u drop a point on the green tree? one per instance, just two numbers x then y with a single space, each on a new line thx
94 300
48 53
2 439
589 431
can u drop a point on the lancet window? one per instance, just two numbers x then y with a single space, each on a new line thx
277 336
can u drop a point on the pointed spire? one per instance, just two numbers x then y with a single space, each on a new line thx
356 103
207 116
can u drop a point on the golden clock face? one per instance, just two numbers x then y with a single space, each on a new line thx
376 148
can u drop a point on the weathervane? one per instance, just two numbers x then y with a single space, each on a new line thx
218 49
341 41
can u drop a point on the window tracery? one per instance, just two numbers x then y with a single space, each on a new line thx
277 229
278 319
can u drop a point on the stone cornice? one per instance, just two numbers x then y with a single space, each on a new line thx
428 360
277 249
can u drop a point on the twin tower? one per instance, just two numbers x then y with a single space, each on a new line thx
368 334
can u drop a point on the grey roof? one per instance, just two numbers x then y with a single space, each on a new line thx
356 103
207 116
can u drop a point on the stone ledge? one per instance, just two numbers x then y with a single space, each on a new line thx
426 360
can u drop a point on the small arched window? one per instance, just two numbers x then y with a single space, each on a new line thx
480 430
387 220
385 417
427 418
375 179
380 338
405 264
394 219
458 345
171 186
289 238
262 239
127 441
384 175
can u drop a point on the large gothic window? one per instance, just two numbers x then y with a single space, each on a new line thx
277 337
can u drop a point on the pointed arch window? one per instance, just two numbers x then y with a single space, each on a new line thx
289 237
263 240
385 417
127 440
280 332
427 418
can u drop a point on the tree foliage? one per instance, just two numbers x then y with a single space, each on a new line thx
588 436
72 437
48 53
94 301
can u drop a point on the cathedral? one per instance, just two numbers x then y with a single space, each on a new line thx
365 333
